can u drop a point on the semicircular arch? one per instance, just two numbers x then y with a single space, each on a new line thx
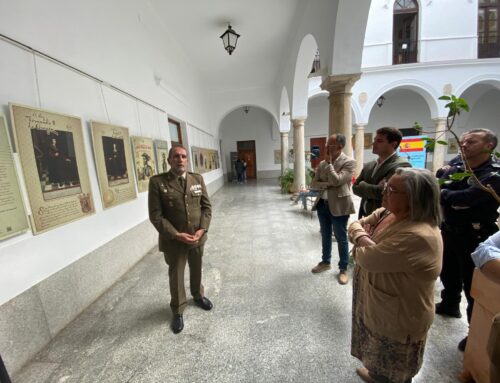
429 94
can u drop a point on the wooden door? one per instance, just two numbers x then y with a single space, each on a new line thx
318 142
246 152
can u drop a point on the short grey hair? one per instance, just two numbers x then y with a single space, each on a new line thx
489 136
423 193
340 138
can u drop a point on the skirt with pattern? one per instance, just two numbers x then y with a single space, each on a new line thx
397 361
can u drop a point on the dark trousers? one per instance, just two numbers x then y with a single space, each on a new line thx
176 266
338 225
458 267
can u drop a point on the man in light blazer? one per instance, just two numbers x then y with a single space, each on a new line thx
370 182
334 204
180 211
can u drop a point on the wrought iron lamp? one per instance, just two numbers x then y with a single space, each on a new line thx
229 39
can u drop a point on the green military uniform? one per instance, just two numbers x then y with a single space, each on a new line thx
176 209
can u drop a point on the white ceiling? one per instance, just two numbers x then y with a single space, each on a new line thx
265 27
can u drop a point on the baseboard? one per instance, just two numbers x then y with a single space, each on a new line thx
30 321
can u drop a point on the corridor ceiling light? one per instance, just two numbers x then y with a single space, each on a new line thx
246 109
229 39
380 101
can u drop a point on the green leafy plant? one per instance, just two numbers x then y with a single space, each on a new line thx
286 180
455 106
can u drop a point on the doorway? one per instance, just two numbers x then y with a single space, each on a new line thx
405 32
317 146
246 152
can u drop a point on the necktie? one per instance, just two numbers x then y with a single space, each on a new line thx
182 182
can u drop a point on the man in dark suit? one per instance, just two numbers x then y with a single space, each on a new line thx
370 182
180 210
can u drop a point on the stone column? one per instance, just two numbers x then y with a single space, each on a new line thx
340 120
284 151
439 150
299 166
359 147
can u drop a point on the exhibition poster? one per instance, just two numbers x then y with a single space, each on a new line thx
161 150
52 154
204 160
144 161
12 214
113 160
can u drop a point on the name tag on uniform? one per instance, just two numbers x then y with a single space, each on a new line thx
195 190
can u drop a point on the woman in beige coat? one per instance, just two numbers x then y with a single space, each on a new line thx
398 253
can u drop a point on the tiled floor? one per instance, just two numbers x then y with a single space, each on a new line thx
273 320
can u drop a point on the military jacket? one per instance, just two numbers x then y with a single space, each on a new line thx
173 210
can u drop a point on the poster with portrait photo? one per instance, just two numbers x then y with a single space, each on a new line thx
204 160
161 151
52 154
13 218
113 160
144 161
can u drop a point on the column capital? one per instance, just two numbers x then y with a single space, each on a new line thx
284 134
359 126
439 120
340 83
298 121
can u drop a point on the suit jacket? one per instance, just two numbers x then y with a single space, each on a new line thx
336 179
368 185
396 276
173 210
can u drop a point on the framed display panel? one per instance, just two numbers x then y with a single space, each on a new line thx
204 160
113 159
52 153
13 218
144 161
277 156
161 151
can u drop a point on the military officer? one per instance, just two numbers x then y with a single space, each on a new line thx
180 210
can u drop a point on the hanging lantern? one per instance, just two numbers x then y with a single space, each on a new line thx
229 39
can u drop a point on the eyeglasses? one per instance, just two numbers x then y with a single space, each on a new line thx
390 190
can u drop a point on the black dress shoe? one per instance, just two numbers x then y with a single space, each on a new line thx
177 323
204 303
447 310
462 344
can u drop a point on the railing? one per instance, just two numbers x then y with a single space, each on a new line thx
488 46
405 52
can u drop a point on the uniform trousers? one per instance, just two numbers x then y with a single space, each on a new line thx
458 244
176 266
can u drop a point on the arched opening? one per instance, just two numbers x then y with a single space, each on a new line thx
402 107
245 133
405 32
482 98
488 26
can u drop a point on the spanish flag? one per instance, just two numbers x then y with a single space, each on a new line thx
412 145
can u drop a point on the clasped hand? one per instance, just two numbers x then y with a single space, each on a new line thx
190 239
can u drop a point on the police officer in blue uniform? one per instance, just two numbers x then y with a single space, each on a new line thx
470 215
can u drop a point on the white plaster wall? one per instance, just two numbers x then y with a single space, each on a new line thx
123 44
256 125
447 31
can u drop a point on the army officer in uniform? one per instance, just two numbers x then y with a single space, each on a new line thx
180 210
